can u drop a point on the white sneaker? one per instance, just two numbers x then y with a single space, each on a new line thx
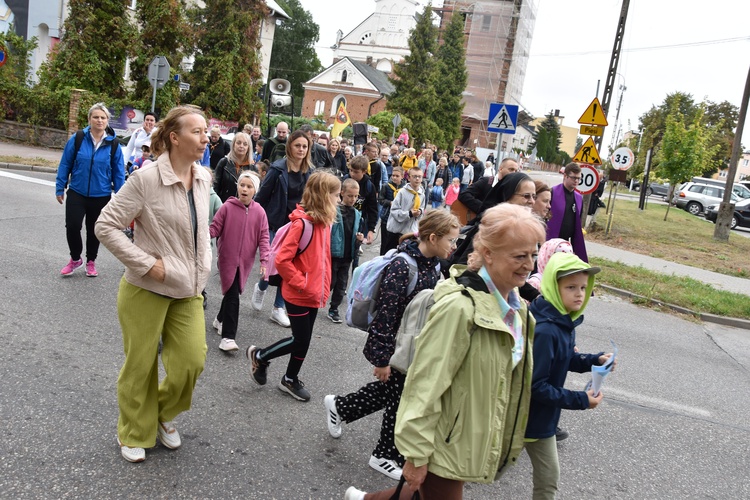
353 493
169 436
385 466
332 416
133 455
258 296
228 345
217 325
279 316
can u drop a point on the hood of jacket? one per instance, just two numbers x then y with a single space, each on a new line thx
564 262
411 247
299 213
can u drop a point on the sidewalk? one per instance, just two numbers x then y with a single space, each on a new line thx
27 151
720 281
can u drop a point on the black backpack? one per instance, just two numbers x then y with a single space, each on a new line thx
278 151
113 147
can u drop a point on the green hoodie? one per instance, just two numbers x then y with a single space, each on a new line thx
550 289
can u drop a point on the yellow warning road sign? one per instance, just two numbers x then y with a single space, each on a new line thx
592 130
593 114
588 153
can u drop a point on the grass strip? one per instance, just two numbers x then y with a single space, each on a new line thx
678 290
35 162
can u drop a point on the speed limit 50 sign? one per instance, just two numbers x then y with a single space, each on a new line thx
589 179
622 158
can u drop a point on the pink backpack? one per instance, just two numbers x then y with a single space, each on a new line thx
272 274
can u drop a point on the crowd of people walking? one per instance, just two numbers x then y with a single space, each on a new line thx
488 361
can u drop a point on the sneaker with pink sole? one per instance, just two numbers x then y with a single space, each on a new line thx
71 266
91 269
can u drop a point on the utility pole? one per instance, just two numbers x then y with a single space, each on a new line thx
612 144
726 208
613 63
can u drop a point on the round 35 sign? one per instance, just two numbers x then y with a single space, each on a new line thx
589 180
622 158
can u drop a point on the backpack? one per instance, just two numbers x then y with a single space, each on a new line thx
415 316
363 292
278 151
272 274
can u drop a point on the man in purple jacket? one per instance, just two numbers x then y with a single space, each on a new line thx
566 211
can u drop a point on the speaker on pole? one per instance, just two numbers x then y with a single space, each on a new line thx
360 133
280 86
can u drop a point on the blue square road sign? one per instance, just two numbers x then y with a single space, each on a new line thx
502 118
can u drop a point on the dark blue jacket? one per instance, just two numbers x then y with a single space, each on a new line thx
554 357
93 174
272 195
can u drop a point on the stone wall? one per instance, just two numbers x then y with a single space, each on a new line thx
41 136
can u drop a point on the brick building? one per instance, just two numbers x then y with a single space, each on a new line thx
362 89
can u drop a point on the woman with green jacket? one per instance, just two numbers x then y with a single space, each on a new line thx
465 404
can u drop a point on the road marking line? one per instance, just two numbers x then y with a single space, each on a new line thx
657 403
27 179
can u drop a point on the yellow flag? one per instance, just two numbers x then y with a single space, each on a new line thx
341 121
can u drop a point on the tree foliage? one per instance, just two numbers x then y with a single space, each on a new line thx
226 74
685 147
92 51
450 82
720 118
293 56
384 122
548 140
415 95
165 31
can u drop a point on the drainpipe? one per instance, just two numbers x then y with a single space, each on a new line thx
369 109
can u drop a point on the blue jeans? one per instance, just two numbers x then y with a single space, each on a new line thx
263 284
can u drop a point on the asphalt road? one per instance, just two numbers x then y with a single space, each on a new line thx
673 423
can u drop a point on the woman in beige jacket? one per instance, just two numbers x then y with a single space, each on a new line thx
167 266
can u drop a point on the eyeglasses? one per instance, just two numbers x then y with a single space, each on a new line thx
453 241
527 196
573 178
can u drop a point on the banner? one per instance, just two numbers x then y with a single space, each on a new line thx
341 121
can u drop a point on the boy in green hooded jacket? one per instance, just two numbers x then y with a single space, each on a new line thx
567 283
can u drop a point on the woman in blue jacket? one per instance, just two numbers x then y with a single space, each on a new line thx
91 174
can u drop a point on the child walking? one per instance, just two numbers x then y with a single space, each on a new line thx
436 194
567 283
451 194
385 198
241 227
438 231
408 206
347 234
306 281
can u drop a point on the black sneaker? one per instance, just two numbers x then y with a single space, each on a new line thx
561 434
258 368
295 388
334 316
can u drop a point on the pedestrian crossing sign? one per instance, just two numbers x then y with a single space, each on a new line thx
502 118
588 154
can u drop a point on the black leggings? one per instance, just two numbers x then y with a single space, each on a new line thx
301 319
77 207
229 311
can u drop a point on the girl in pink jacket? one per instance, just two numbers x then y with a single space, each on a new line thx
241 227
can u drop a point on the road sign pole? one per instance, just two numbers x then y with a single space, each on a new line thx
153 99
499 148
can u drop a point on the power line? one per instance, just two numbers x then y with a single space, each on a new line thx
643 49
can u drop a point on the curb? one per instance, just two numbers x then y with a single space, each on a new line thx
28 168
708 318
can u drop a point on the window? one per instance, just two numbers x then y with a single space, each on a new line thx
339 99
343 76
714 192
696 188
486 22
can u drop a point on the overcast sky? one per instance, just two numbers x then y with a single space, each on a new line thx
698 47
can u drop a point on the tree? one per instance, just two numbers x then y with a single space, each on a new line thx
293 56
415 94
450 82
384 122
722 117
226 74
92 51
684 150
548 140
165 31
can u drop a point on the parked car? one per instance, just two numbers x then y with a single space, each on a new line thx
695 197
741 216
657 188
738 188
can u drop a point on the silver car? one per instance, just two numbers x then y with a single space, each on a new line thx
695 197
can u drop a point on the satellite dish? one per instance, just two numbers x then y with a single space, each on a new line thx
280 86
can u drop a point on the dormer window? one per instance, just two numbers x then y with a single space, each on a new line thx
343 76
